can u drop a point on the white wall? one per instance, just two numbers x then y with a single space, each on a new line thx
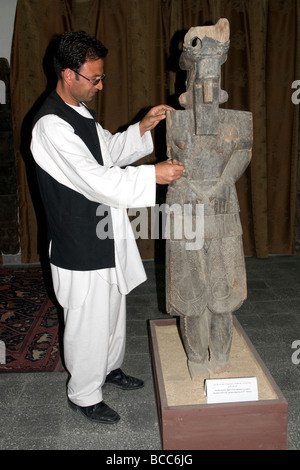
7 19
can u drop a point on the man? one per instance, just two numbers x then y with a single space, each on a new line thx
83 182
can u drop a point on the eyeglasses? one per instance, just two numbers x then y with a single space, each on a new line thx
95 81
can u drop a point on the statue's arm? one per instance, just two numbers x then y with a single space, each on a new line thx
236 165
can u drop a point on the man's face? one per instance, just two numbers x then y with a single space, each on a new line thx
80 88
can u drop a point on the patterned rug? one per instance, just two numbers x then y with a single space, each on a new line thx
29 321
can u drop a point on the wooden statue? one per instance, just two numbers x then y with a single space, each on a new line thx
206 279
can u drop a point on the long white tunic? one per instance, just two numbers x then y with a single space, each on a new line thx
62 154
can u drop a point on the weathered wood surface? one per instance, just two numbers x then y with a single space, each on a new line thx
206 277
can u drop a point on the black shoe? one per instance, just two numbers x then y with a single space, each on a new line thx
123 381
99 413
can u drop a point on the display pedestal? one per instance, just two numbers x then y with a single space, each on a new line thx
187 422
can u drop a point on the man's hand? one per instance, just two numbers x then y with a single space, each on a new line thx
166 172
153 117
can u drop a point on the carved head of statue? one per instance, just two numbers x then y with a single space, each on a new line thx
204 51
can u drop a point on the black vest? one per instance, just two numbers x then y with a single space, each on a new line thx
72 219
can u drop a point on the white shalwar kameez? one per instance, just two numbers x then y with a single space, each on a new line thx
94 301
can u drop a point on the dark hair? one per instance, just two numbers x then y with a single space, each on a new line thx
76 48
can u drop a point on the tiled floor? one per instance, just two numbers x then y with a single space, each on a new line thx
33 410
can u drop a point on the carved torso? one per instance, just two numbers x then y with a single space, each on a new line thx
212 163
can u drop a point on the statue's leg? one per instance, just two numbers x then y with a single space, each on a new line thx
195 332
220 341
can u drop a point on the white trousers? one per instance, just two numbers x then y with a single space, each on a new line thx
95 331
